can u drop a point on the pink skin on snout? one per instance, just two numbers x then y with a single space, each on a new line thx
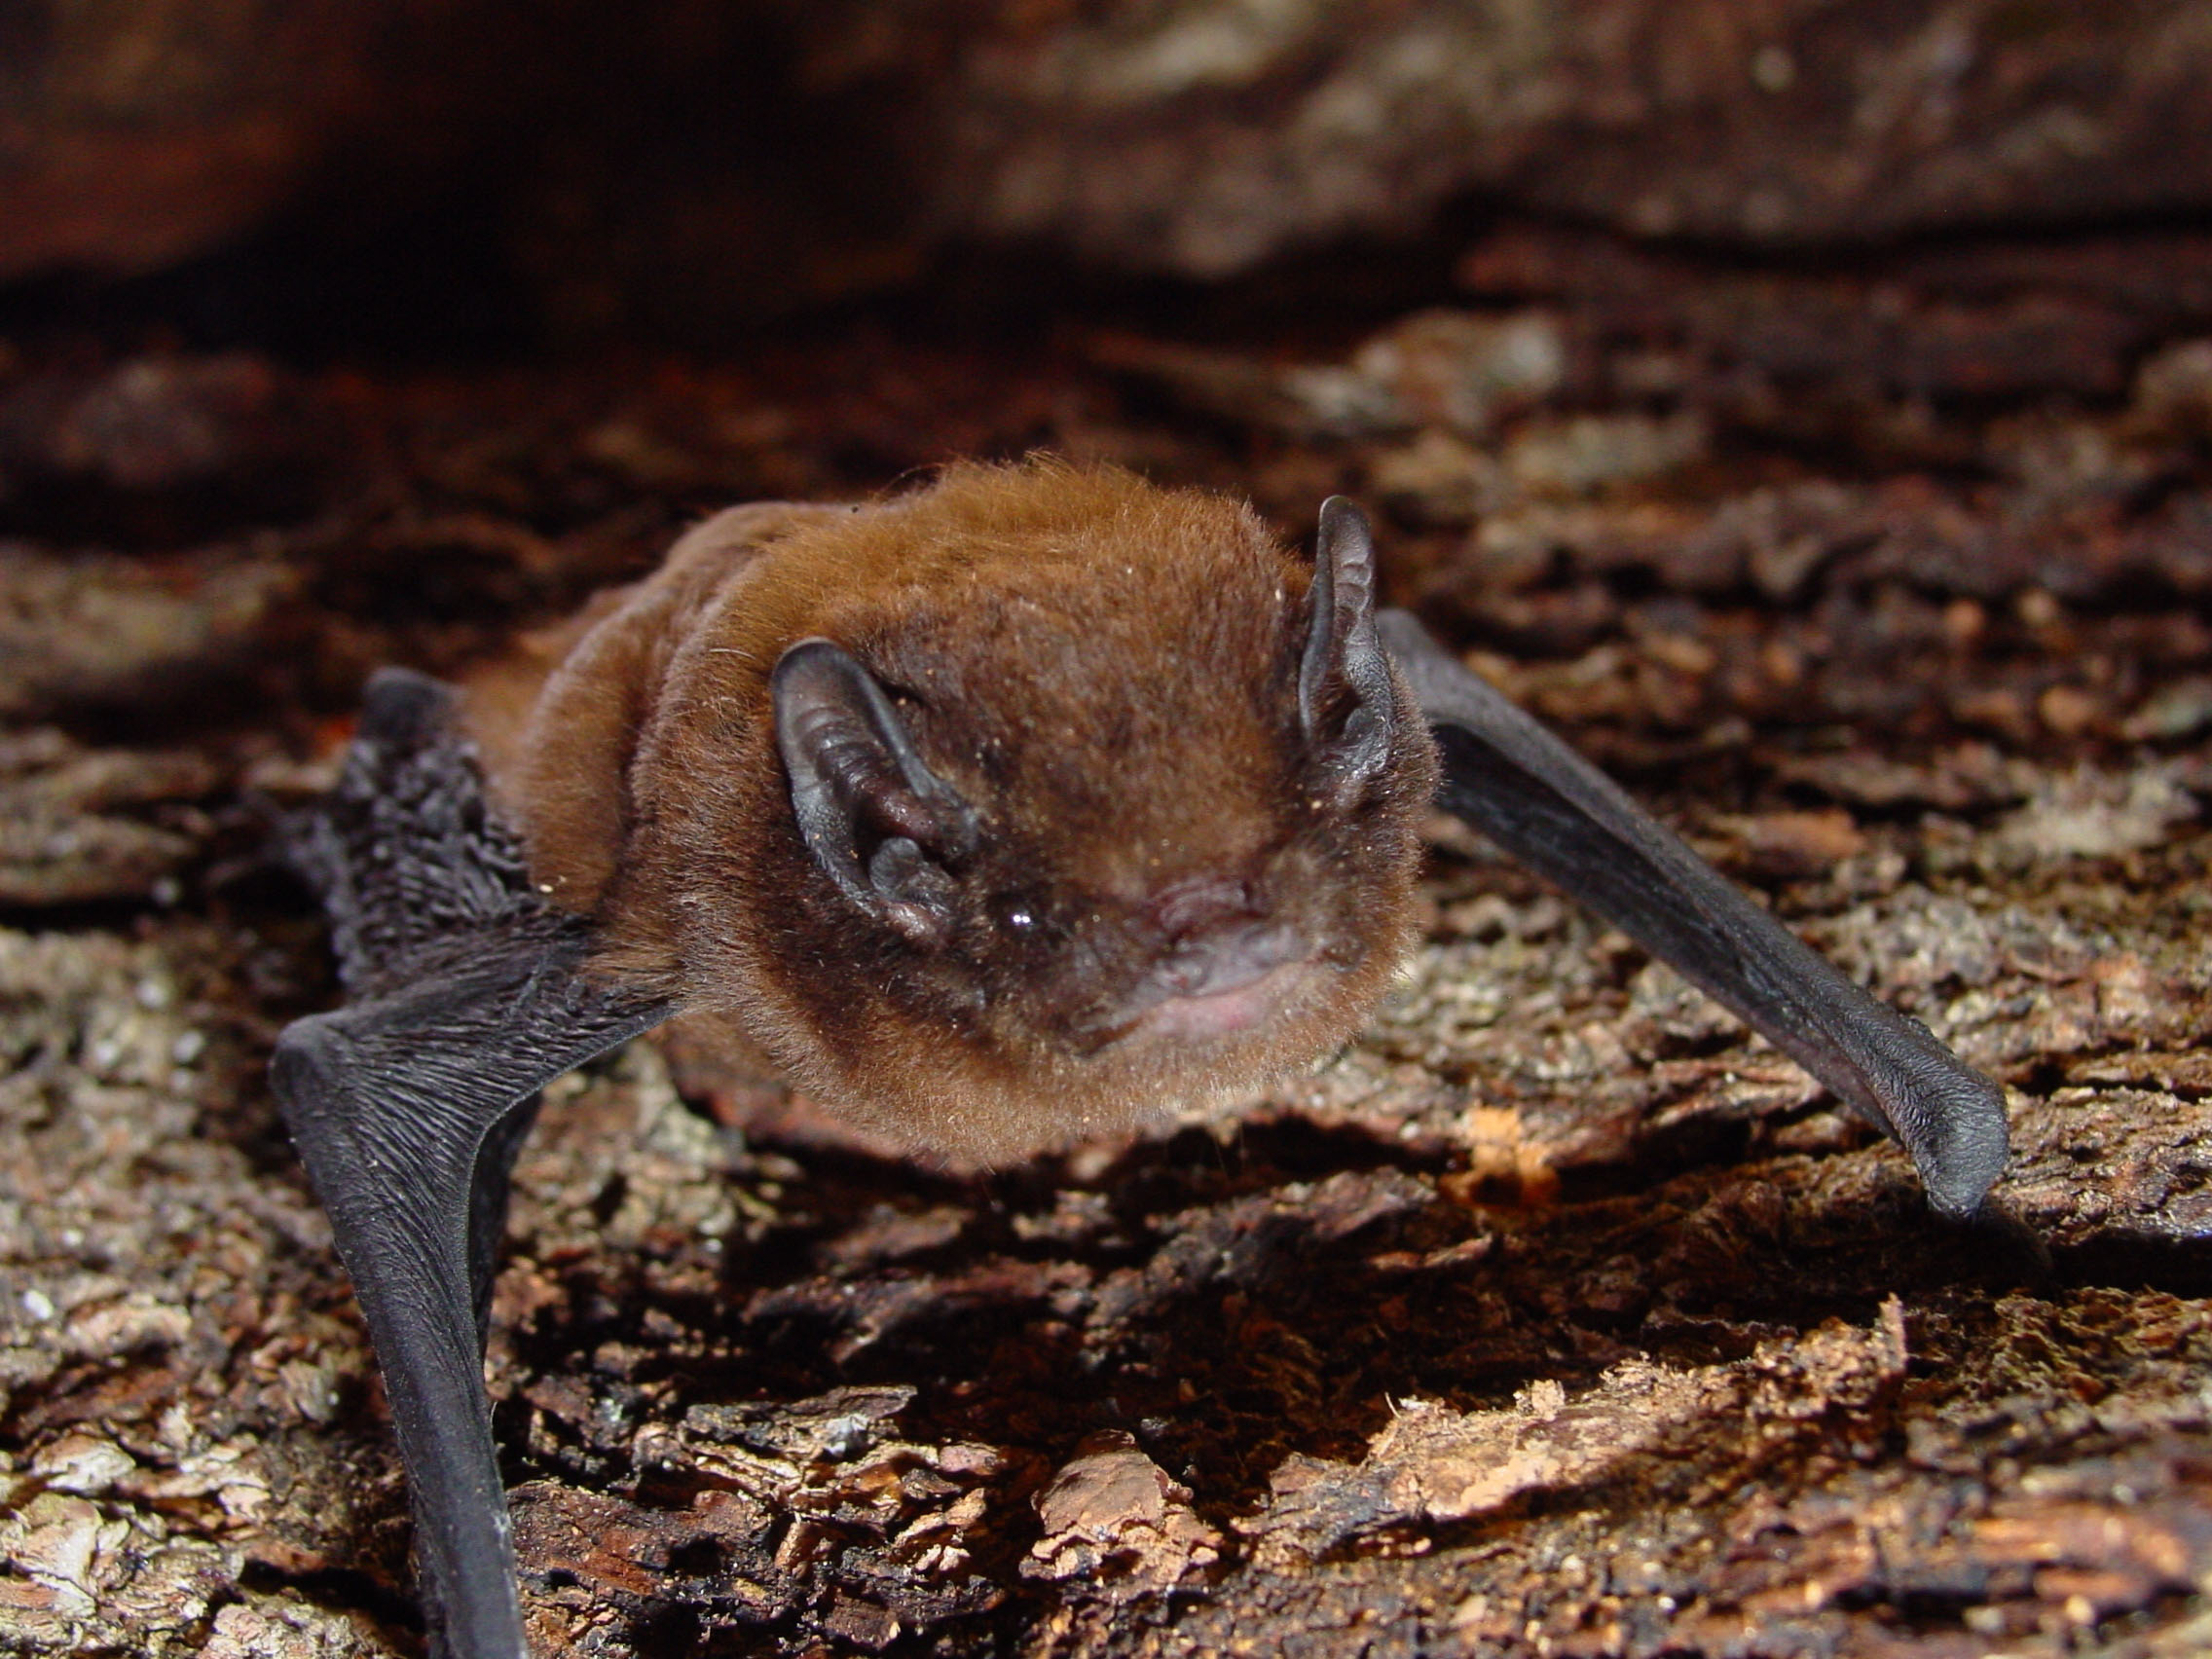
1229 969
1225 1011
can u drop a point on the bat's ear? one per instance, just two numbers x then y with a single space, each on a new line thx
881 825
1346 703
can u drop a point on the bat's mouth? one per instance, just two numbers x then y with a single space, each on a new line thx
1222 1012
1227 982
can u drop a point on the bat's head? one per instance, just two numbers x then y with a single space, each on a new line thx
1106 802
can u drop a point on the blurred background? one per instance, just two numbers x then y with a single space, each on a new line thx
479 173
1805 406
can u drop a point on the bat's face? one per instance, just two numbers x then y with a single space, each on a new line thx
1087 837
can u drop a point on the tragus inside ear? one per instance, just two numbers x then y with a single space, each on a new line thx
876 819
1345 703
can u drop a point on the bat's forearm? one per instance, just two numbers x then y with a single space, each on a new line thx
1558 814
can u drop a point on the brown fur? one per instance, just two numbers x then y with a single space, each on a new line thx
1105 670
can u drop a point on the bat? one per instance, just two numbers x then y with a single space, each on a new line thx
996 815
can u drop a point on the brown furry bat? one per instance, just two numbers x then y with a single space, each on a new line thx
995 815
1064 948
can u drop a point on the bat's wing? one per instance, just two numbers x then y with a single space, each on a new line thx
1547 806
409 1103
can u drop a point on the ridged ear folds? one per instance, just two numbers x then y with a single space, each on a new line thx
1346 704
884 828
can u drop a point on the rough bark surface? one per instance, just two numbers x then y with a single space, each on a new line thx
1203 137
684 163
1553 1317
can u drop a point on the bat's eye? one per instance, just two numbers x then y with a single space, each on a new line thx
1019 920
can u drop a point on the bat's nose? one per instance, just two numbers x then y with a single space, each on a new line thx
1201 905
1223 967
1223 958
1216 935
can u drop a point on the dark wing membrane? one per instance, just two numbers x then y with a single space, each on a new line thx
409 1104
1555 812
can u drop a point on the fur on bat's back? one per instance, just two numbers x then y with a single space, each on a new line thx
1106 668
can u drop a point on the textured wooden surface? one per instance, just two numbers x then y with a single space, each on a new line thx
1553 1317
